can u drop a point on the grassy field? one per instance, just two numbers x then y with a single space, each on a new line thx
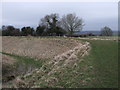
104 58
97 70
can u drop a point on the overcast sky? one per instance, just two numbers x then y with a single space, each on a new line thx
95 14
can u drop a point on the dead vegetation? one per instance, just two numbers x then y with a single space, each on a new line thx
37 47
62 54
47 73
113 38
8 69
7 60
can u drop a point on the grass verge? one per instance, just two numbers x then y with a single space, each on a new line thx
104 59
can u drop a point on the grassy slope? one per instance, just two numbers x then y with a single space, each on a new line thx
98 70
26 60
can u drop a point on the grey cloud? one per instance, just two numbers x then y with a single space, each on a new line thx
94 14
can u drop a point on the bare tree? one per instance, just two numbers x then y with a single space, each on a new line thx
106 31
71 23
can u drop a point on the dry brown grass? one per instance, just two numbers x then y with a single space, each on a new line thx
62 53
7 60
46 74
37 47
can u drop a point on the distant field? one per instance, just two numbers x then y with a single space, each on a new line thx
97 32
82 66
105 37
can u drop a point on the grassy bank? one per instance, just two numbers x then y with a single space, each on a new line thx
98 70
26 60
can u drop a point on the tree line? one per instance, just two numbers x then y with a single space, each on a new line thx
52 25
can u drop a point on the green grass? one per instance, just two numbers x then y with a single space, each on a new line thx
26 60
98 70
104 59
